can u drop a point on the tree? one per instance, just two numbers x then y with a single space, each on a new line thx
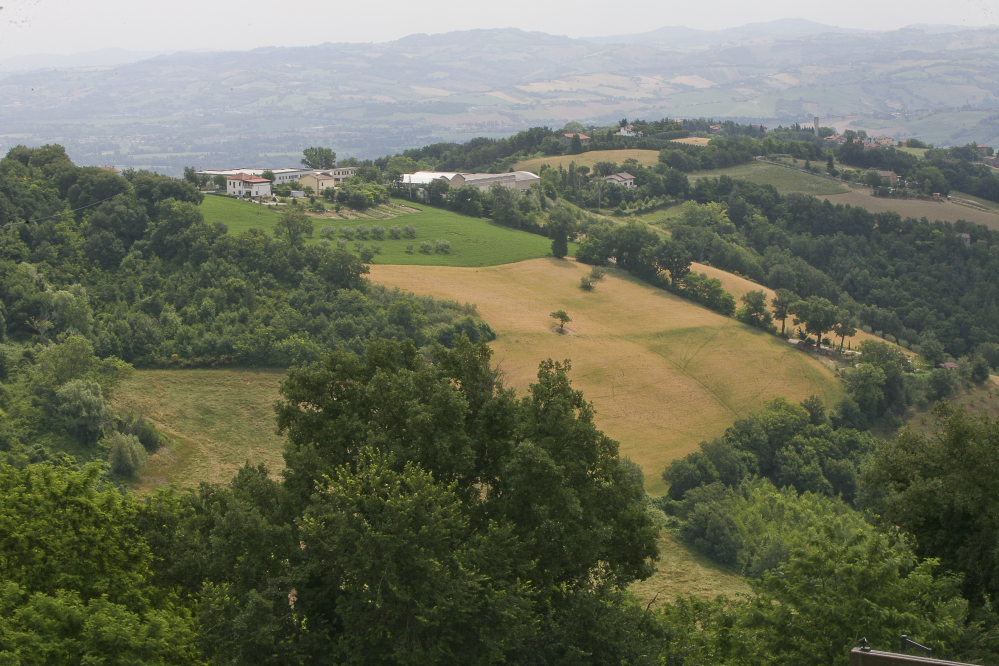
268 174
673 258
559 226
815 608
817 314
845 326
944 490
781 304
77 586
831 167
411 578
319 158
575 145
562 318
294 226
754 310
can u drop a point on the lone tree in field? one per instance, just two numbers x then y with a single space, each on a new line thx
562 318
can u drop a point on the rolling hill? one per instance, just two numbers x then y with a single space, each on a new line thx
367 100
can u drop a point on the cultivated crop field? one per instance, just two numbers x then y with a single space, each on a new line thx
645 157
663 373
474 241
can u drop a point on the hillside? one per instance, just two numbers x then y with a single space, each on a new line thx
663 373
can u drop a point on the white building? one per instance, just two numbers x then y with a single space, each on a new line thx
520 180
243 184
281 176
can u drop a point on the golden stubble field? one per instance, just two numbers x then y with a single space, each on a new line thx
663 373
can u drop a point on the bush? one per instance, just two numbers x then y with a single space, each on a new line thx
711 530
586 283
148 435
84 409
409 248
126 454
597 273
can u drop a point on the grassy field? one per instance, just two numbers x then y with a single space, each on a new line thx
784 179
217 420
474 241
237 214
680 571
663 373
644 157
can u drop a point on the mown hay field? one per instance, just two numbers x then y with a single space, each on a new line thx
645 158
662 372
785 179
216 419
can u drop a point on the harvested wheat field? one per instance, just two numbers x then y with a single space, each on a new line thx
945 211
662 372
645 158
694 140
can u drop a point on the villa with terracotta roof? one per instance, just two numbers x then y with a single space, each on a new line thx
566 139
243 184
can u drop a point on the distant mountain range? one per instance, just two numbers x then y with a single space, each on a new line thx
680 37
168 110
100 58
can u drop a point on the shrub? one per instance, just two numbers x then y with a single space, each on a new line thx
126 455
597 273
409 231
409 248
395 232
84 409
585 283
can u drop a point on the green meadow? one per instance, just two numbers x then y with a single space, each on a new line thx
474 241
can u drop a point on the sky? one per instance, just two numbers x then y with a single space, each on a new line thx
72 26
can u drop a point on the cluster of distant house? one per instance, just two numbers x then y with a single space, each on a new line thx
249 183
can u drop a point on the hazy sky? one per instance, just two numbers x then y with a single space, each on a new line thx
70 26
